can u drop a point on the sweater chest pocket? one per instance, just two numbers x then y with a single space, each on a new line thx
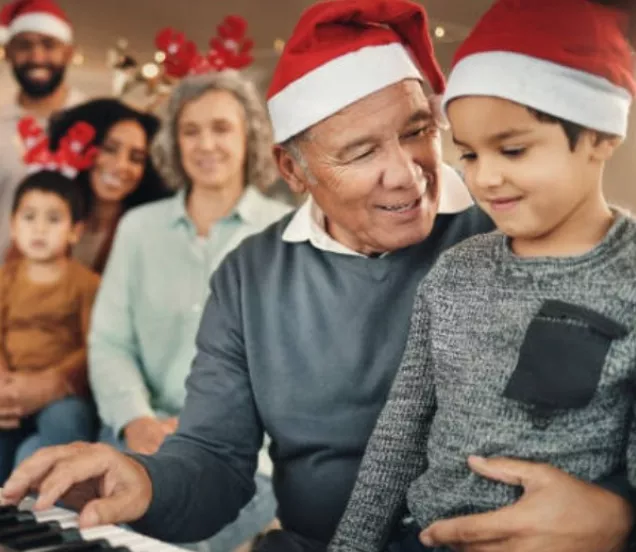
562 357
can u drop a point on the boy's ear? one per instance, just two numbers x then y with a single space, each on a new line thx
76 232
603 146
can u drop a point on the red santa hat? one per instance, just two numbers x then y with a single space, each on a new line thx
38 16
567 58
344 50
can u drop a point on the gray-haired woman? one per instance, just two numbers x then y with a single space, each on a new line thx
215 148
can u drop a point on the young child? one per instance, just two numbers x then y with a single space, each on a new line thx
45 304
522 341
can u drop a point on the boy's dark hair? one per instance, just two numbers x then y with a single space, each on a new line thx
54 183
572 131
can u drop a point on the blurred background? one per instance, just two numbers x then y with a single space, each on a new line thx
111 31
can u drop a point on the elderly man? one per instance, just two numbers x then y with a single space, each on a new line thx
38 39
306 322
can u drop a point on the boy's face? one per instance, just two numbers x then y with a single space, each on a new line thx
522 172
42 227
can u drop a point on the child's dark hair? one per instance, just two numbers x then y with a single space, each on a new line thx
54 183
572 131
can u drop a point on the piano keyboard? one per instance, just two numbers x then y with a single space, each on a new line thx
56 530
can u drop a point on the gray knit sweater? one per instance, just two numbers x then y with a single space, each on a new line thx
526 358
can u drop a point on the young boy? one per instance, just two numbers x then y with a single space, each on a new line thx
45 304
522 341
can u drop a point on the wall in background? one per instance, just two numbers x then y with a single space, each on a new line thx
620 176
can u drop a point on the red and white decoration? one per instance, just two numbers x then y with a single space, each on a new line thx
341 52
38 16
567 58
230 49
73 155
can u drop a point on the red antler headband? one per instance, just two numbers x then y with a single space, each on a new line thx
230 49
74 152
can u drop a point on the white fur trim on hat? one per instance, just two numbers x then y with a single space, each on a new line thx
337 84
570 94
41 23
4 34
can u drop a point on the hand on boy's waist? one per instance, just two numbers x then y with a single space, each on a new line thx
557 512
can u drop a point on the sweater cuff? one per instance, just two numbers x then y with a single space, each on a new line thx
159 504
619 485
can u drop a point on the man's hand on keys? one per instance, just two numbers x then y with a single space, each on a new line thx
104 485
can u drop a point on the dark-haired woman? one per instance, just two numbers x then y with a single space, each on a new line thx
122 177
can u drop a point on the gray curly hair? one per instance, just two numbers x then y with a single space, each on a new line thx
260 169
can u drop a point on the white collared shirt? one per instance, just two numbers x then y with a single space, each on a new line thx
308 224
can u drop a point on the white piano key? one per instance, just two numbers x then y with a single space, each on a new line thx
115 535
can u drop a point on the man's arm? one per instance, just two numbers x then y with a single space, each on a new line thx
396 452
203 475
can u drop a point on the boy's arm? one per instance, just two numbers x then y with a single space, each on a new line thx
626 486
4 363
396 452
72 372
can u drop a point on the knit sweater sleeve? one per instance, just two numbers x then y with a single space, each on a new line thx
396 452
631 457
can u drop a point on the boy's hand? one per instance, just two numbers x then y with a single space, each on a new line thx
557 512
23 394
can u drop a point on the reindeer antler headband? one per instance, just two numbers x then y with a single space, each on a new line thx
73 154
230 49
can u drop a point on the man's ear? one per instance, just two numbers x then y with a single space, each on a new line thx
69 52
9 52
291 170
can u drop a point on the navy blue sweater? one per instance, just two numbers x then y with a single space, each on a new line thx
303 344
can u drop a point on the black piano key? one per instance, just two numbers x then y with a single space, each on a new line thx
51 537
121 549
15 518
27 528
98 545
8 509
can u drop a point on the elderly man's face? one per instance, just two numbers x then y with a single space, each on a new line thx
39 62
373 168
